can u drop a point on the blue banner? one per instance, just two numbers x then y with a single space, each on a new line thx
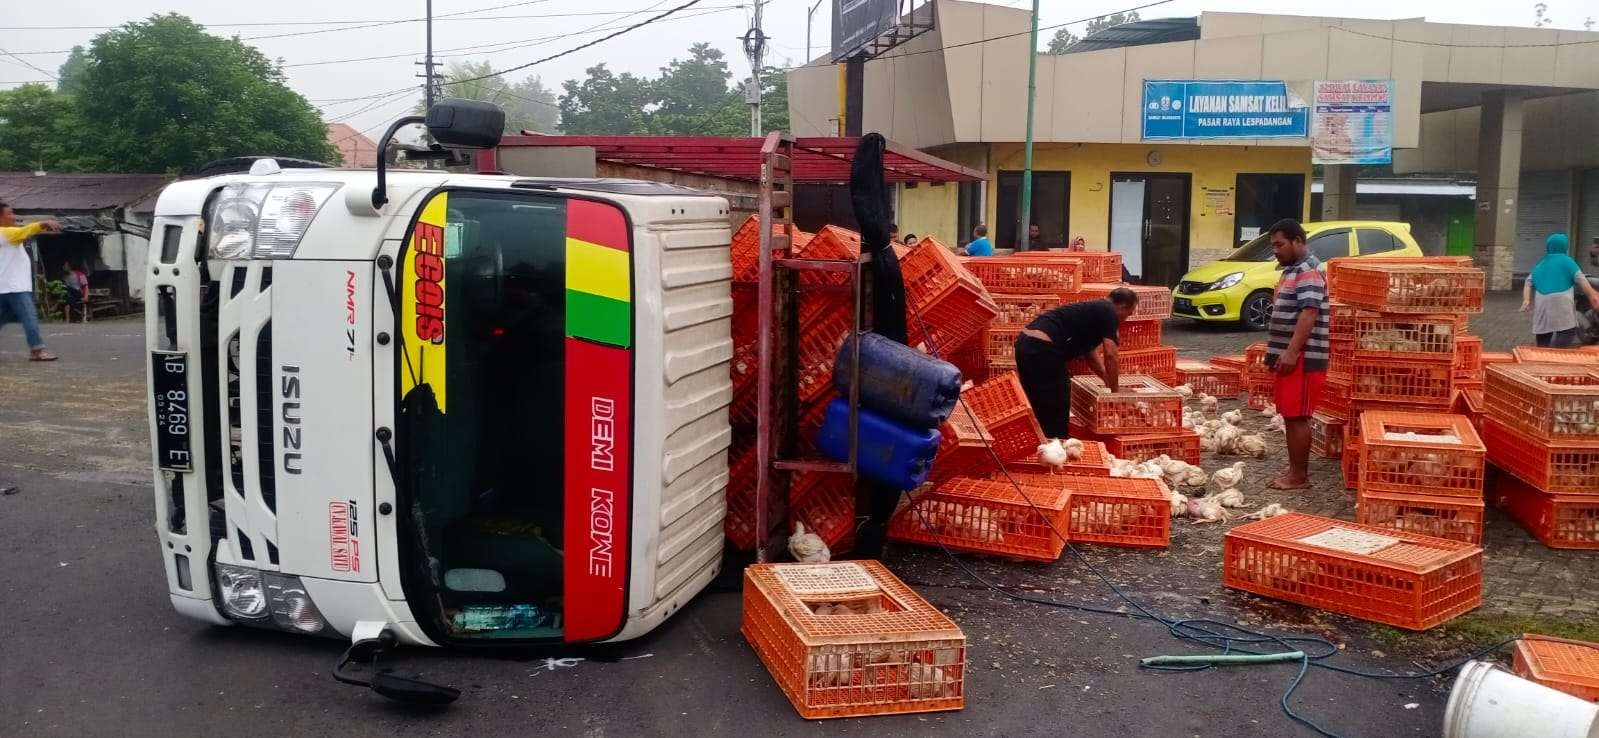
1175 109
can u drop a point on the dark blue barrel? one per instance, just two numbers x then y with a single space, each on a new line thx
900 382
888 452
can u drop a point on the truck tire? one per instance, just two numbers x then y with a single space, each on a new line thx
1255 312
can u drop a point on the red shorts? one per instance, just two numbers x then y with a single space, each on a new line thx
1296 393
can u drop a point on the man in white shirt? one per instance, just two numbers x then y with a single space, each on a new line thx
16 279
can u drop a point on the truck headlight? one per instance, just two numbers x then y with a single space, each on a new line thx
1227 281
291 605
263 221
243 594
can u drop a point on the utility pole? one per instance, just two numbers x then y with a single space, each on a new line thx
428 78
1023 227
808 15
755 49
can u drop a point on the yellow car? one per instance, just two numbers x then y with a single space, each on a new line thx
1239 287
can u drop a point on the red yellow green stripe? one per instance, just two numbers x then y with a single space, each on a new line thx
598 274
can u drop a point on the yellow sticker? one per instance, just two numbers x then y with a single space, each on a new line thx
422 317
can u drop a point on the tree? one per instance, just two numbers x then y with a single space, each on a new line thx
693 96
69 78
605 103
1540 15
528 104
1064 38
164 95
38 130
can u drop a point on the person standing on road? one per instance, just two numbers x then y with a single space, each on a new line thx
1058 335
980 245
1297 347
16 279
1551 291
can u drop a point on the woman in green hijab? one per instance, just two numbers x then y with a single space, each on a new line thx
1551 291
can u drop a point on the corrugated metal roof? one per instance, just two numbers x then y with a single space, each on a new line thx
26 191
1139 33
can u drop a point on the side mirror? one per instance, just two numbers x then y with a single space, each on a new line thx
468 124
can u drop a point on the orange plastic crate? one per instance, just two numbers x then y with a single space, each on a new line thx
1142 405
1335 267
1403 380
1010 275
1335 401
929 269
1095 462
1468 358
1552 402
1534 355
1497 357
1154 303
1098 266
1413 337
1570 666
892 653
819 341
1181 444
1559 521
825 503
1140 334
950 318
1017 438
1119 512
1379 574
963 448
1420 467
1205 378
1255 361
970 357
1234 361
1341 321
1411 288
1016 311
1262 392
1341 361
999 348
1455 518
988 516
1159 362
739 525
997 400
831 242
746 249
1351 465
1566 468
1326 435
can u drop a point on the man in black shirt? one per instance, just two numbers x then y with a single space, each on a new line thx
1064 333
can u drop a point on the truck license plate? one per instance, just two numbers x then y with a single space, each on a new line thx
172 419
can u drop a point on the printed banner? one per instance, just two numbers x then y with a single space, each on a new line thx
1178 109
1354 122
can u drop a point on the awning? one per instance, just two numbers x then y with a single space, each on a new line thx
816 159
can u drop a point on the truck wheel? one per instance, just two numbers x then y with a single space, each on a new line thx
1255 313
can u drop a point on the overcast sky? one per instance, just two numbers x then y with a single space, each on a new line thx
566 23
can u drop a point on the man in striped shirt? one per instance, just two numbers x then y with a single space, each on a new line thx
1297 349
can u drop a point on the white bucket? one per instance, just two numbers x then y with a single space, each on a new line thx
1488 702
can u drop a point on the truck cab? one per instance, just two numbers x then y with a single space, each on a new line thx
490 408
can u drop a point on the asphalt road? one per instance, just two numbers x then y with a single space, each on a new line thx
91 646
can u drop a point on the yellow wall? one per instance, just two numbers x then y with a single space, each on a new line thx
1213 167
930 210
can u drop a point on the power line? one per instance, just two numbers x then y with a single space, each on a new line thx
28 64
580 47
333 22
1462 46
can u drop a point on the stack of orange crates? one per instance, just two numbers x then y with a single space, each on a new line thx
1142 421
1395 330
1019 520
1422 473
945 304
1098 266
1384 575
1542 432
849 639
1257 378
1140 349
1015 312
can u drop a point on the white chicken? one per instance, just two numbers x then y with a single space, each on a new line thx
1269 511
1233 417
1229 497
1270 410
1196 477
1074 449
1207 510
1179 503
1052 453
1278 424
1227 439
1207 442
1184 390
1207 404
1228 477
1252 445
808 548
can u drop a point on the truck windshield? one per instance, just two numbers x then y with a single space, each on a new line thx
480 438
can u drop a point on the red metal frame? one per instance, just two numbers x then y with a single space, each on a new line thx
818 159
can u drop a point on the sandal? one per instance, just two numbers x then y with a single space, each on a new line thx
42 355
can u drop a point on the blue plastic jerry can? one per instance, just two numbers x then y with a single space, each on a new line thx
890 453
